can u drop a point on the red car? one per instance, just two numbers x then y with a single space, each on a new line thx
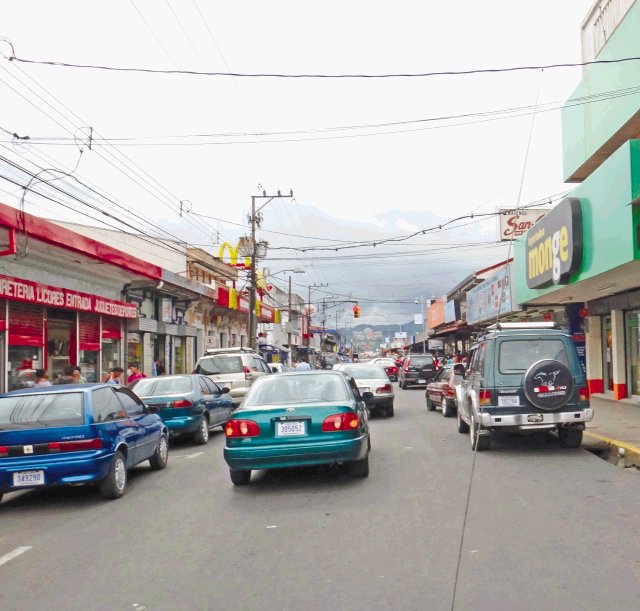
442 391
389 365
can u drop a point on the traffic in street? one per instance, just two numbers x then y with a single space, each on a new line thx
317 538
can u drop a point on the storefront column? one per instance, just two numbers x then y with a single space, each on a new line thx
594 355
618 356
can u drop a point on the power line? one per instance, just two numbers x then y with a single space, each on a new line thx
280 75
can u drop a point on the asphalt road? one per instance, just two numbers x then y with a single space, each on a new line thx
547 528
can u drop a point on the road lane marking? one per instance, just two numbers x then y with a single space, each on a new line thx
14 554
194 455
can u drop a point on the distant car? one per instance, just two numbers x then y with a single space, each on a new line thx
372 379
442 391
416 369
77 434
388 365
235 368
297 420
189 404
280 367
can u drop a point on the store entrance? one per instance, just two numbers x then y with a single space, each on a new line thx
61 341
607 354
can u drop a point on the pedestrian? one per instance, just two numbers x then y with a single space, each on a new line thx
67 376
114 377
136 374
41 379
77 375
303 365
159 367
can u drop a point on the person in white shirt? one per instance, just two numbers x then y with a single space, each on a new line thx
303 365
41 379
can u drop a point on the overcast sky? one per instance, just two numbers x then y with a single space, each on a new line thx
279 133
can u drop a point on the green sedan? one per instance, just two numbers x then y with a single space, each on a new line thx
298 419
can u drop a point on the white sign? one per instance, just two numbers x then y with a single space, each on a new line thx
400 335
435 344
515 223
417 319
387 340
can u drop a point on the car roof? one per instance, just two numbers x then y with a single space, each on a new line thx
55 388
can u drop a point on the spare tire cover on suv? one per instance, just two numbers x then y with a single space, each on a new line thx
548 384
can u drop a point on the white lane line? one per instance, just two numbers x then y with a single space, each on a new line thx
194 455
14 554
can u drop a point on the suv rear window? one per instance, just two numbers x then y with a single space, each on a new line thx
520 354
419 361
212 365
41 410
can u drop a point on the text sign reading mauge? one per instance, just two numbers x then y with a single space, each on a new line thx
554 245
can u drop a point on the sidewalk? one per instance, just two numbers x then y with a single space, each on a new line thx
615 427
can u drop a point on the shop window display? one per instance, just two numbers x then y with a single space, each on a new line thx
633 350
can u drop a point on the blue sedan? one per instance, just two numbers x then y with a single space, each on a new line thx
189 404
77 434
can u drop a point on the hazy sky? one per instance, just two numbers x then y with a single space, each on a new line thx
266 133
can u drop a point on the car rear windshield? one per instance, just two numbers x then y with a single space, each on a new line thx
150 387
212 365
519 354
420 361
360 373
296 388
41 410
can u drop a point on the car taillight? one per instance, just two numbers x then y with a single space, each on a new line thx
406 366
242 428
77 445
394 369
4 451
180 403
583 393
247 373
385 388
450 392
347 421
484 397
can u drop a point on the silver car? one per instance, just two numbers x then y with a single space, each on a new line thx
235 368
373 379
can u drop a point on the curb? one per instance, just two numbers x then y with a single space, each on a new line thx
620 452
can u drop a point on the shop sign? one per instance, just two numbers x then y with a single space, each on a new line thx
167 310
491 298
435 344
554 245
33 292
515 223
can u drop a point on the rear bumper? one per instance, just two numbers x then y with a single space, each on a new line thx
413 378
58 470
380 400
296 455
183 424
536 420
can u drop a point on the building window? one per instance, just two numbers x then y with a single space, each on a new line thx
632 327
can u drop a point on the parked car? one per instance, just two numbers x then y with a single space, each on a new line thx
189 404
296 420
442 391
235 368
416 369
371 379
388 365
525 378
77 434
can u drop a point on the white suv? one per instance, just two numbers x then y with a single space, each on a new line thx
235 368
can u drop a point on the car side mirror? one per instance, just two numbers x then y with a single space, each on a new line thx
367 395
224 390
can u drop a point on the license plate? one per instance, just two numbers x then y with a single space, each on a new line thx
508 400
28 478
422 381
290 429
535 418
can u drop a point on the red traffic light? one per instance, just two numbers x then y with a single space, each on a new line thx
356 311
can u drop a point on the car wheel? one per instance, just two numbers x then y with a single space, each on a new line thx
447 408
201 436
430 405
161 455
478 442
360 468
1 495
240 478
388 411
113 486
463 427
570 437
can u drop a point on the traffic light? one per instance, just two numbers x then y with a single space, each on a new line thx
356 311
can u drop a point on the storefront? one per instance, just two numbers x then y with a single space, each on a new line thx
586 252
48 327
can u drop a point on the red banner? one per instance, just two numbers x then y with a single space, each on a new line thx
33 292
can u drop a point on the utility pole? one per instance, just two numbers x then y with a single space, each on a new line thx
289 325
309 313
256 219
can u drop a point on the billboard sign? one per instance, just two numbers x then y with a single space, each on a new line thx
515 223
